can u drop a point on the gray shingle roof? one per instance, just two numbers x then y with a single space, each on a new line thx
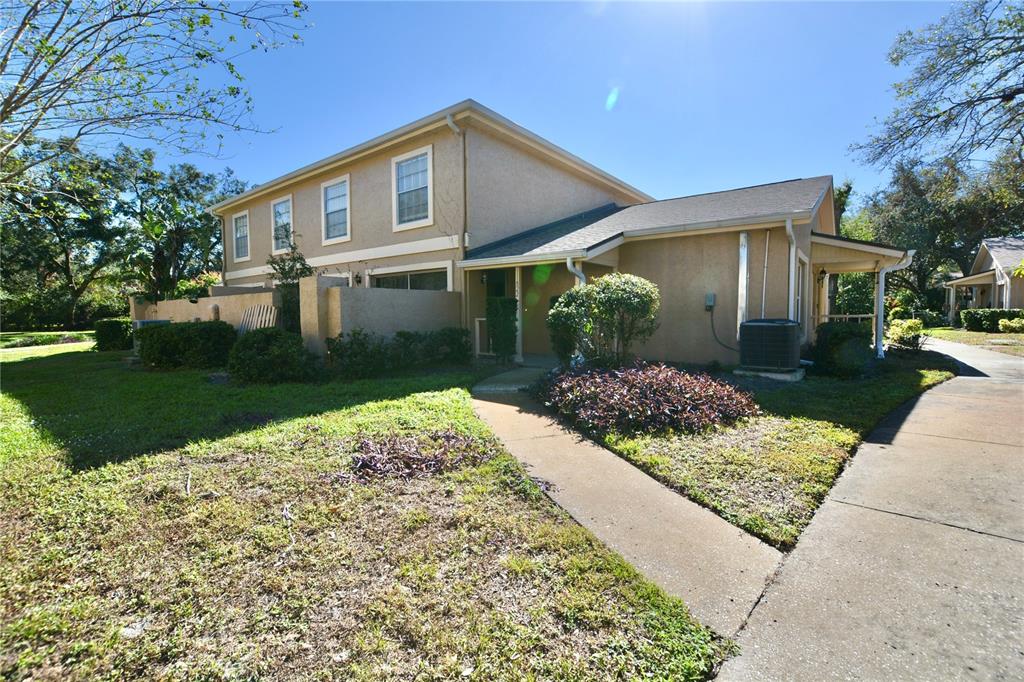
590 229
1008 252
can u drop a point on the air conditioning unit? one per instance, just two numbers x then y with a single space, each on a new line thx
770 345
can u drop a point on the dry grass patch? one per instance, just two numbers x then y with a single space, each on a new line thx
262 555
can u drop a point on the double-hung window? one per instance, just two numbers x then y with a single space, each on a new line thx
411 181
281 220
240 235
334 204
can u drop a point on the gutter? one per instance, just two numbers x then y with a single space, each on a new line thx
903 263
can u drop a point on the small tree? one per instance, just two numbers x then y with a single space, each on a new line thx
501 326
288 269
602 320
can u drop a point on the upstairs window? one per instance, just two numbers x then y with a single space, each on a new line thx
281 213
411 177
334 196
240 227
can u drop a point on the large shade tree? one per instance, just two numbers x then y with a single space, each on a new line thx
964 96
157 70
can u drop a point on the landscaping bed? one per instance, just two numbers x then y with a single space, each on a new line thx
1009 343
159 525
769 472
29 339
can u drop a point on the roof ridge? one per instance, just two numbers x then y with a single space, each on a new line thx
534 230
726 191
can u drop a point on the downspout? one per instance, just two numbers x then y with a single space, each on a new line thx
792 268
451 124
742 284
581 279
764 281
902 263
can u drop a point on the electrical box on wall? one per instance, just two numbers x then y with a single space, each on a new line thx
709 301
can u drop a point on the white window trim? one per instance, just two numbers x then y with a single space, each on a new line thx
446 265
324 241
291 232
429 220
248 237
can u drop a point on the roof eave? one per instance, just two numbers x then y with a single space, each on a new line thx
438 119
835 240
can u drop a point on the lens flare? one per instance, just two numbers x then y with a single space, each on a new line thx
612 99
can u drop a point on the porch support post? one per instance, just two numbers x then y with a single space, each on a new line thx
519 314
880 314
951 301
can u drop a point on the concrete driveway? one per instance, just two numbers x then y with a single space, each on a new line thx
913 568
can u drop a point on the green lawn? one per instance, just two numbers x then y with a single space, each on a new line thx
1011 344
23 339
769 474
157 525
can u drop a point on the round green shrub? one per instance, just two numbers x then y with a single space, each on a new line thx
842 348
113 333
270 356
906 334
602 320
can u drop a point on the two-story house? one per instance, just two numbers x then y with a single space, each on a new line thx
466 201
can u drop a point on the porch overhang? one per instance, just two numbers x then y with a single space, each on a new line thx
835 254
977 279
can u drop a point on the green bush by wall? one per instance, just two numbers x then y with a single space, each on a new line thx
114 333
842 348
186 344
987 319
361 354
270 356
501 326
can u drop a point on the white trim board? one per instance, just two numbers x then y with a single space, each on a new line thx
403 249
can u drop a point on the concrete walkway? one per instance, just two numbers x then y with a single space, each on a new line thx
717 569
913 568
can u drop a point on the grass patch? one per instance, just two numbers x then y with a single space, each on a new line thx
769 474
1010 344
28 339
152 527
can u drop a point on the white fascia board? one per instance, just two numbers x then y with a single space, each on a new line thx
829 240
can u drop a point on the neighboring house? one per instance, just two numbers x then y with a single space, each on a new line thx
990 283
466 202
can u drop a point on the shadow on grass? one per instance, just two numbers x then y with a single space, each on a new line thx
101 410
861 403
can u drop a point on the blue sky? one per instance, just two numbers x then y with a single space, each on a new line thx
709 96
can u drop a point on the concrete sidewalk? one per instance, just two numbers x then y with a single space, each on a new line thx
913 568
717 569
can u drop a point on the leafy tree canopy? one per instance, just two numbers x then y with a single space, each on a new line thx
965 92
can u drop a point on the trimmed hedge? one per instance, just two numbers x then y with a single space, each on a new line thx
186 344
113 333
987 319
361 354
644 399
501 326
270 356
842 348
1012 326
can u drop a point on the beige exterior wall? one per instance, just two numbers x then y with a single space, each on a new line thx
1017 292
370 215
230 308
540 284
511 189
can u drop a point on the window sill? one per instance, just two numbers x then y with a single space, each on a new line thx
413 225
336 240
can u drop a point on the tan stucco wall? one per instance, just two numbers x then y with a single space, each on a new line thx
511 189
181 310
386 311
686 269
1017 292
370 208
